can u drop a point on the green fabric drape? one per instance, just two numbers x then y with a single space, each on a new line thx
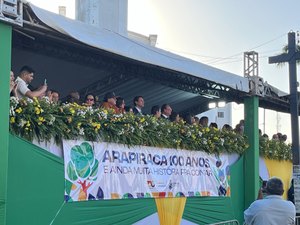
5 64
36 194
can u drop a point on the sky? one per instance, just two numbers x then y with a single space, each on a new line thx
216 32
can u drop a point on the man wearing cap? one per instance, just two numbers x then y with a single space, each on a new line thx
109 102
23 80
272 209
138 103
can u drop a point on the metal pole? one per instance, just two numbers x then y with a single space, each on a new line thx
294 98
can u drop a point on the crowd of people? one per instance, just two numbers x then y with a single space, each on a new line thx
19 87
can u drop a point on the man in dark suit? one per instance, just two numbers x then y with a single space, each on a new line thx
166 111
138 103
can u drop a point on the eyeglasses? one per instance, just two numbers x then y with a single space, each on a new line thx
89 99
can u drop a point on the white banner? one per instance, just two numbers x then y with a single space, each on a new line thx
113 171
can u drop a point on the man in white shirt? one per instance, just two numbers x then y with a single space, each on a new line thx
272 209
23 80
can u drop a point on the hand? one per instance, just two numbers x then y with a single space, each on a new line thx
260 194
44 88
13 85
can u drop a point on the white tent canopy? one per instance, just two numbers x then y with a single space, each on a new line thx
120 45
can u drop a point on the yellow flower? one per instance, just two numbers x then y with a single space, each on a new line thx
105 111
69 119
41 120
27 124
35 101
37 110
12 119
19 110
78 125
72 111
142 120
96 126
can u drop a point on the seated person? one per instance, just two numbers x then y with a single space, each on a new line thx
213 125
138 103
189 119
272 209
166 111
175 117
109 102
227 127
73 97
89 100
128 109
203 122
120 103
23 80
53 96
155 111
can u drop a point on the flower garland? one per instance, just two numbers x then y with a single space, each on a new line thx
41 120
273 149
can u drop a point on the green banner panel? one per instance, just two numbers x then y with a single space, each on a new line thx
36 194
5 64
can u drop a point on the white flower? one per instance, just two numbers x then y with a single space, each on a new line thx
121 132
222 141
81 131
118 115
52 119
103 115
132 129
12 111
188 133
159 133
81 113
21 123
46 98
29 100
14 101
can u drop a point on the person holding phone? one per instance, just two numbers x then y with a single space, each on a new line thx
272 209
24 79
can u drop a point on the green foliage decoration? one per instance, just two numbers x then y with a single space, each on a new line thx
274 149
41 120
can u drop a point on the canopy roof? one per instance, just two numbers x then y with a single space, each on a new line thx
72 56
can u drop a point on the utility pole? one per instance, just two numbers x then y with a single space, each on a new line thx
291 57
